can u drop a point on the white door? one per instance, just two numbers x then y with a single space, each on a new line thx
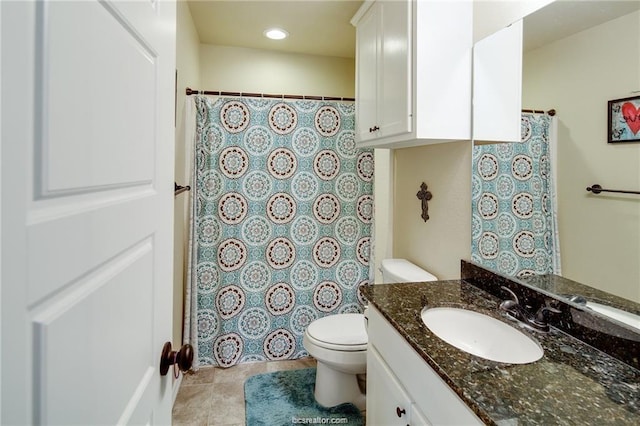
87 209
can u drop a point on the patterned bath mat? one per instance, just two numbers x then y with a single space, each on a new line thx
286 398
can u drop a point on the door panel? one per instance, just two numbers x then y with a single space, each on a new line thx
109 228
87 211
93 125
109 353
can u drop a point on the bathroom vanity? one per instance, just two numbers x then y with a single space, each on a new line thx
414 377
397 380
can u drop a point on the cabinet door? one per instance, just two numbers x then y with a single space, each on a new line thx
497 86
395 99
367 46
387 402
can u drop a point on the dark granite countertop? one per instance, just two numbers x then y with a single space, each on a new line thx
573 383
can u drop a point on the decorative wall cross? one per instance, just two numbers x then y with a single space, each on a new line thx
424 196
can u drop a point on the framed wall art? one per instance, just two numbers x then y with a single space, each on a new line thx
624 120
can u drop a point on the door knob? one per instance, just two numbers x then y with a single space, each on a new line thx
182 358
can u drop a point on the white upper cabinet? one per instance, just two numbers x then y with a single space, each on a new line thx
497 68
497 86
413 72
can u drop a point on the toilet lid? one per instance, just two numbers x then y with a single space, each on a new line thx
342 329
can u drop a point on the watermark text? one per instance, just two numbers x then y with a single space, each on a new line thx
320 420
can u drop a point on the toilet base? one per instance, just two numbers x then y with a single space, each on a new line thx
335 387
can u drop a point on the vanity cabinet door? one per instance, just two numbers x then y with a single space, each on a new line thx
497 86
387 402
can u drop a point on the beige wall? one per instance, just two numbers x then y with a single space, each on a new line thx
599 235
440 243
238 69
188 67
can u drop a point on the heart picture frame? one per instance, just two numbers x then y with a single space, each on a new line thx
624 120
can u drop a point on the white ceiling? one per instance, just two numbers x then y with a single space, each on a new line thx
322 27
315 27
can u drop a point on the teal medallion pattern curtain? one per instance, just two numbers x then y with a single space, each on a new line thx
513 222
281 224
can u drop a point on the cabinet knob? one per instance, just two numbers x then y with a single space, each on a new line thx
400 412
373 129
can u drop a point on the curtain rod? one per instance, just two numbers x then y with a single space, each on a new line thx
190 92
551 112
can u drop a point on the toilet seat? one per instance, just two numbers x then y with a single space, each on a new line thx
342 332
336 347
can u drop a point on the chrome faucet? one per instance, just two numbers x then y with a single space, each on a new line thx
514 309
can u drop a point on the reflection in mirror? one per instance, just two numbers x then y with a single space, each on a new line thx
577 56
588 298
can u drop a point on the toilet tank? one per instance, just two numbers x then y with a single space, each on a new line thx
403 271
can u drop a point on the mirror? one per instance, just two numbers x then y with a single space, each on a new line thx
585 297
577 55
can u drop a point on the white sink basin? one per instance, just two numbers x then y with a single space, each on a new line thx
481 335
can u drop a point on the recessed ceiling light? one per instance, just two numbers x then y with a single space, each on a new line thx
276 33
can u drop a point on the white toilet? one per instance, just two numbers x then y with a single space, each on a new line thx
339 343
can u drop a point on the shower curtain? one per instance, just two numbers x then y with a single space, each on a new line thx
281 219
514 208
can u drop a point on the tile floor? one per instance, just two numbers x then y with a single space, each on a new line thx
215 396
